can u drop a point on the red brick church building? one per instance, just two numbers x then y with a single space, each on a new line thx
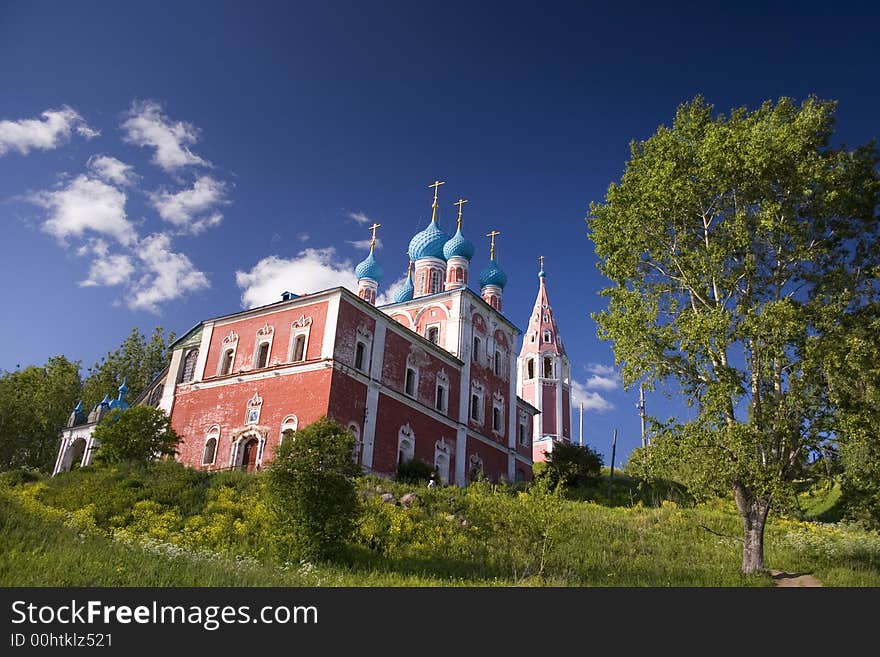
434 376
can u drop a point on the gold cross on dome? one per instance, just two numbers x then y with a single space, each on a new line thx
460 203
373 240
492 247
436 185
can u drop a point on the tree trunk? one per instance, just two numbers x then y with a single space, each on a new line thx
753 511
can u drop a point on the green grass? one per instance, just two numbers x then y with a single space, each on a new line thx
170 527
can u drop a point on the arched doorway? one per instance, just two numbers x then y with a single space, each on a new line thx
75 453
249 455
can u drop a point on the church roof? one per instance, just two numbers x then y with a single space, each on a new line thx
428 243
369 268
458 246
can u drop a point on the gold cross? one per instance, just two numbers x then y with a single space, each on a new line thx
373 228
541 258
409 269
436 186
460 202
492 249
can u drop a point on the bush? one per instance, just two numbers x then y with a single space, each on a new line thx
570 465
311 491
415 471
139 434
19 476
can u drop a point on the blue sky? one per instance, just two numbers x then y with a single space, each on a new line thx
169 162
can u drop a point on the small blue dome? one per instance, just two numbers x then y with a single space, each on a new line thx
493 275
428 243
123 388
458 247
105 401
406 292
369 268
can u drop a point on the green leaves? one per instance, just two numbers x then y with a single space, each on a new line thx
733 246
137 434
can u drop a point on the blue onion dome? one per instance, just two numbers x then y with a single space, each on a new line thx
123 388
428 243
493 275
406 292
369 268
458 247
105 401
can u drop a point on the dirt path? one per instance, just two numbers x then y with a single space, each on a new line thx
781 578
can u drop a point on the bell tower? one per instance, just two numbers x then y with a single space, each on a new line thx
545 375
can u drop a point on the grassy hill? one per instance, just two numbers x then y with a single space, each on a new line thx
170 526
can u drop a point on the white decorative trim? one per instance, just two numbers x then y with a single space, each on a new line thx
254 406
302 322
406 443
230 339
328 342
266 330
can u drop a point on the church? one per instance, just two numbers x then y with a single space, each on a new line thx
435 375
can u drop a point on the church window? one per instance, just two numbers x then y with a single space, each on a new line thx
189 366
435 281
406 445
476 408
299 348
440 400
497 363
521 433
530 368
288 428
496 418
359 356
210 452
476 353
421 285
262 355
546 318
226 362
459 274
433 334
547 336
156 395
476 468
410 383
548 367
532 337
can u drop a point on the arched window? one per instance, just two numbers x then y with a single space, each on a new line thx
156 395
359 356
497 363
406 445
410 384
189 366
226 362
421 285
496 418
441 460
209 454
476 353
288 428
476 468
548 367
459 275
433 334
530 368
547 337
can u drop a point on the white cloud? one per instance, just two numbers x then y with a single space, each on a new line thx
169 275
109 270
387 295
112 170
147 125
360 217
604 377
190 209
50 132
364 245
86 204
95 245
310 271
592 401
303 237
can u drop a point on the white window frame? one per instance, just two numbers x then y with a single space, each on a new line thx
478 392
476 343
190 353
302 326
365 337
428 329
415 381
548 337
406 444
289 423
212 433
442 384
498 405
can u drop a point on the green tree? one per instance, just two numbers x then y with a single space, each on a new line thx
136 360
138 434
732 243
312 491
570 465
34 405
